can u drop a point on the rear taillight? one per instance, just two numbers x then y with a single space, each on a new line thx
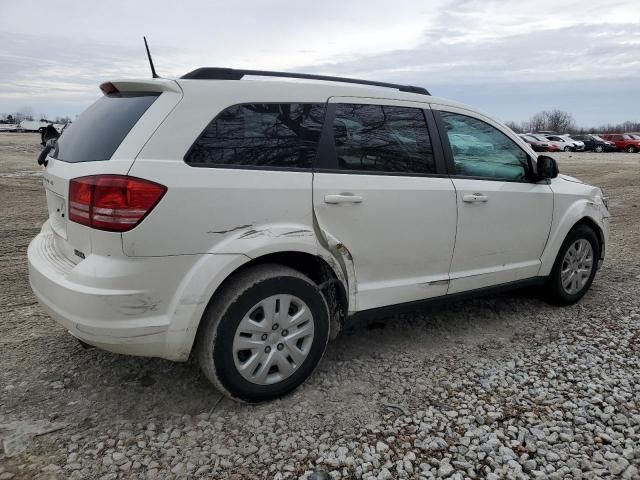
115 203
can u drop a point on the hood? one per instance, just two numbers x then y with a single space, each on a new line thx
570 179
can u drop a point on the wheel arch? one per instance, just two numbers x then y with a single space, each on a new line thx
590 222
586 215
316 268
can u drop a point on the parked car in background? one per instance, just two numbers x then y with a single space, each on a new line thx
566 143
623 142
553 146
8 127
248 220
537 144
595 143
634 135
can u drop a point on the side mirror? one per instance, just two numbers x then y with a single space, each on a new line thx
546 167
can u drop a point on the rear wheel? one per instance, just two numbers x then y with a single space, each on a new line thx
598 149
264 333
630 149
575 267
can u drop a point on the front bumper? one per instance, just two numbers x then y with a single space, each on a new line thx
135 306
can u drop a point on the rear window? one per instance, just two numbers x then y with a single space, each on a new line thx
98 132
268 135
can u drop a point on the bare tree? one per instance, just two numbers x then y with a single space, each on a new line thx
559 121
538 122
516 127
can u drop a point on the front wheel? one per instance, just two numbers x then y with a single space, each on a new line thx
630 149
599 149
264 333
575 267
567 149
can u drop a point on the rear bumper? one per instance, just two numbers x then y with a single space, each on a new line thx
136 306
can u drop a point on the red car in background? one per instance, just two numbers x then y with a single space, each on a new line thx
623 141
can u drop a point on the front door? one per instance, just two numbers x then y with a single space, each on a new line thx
504 215
380 190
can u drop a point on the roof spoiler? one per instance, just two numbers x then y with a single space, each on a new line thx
217 73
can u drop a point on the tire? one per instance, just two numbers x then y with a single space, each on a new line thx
567 149
630 149
556 290
598 149
251 300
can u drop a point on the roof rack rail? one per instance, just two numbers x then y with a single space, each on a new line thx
216 73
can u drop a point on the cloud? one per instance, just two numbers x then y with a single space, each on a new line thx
505 57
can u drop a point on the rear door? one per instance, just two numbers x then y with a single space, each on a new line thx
104 139
381 191
504 215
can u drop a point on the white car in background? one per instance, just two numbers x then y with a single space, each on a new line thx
245 221
566 143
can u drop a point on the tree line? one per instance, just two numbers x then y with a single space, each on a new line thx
27 114
563 122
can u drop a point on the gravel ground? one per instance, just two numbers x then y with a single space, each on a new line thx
498 387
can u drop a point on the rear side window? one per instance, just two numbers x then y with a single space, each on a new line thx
98 132
260 135
382 138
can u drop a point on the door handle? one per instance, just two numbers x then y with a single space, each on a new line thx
342 198
475 198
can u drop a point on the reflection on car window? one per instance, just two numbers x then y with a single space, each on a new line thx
266 135
382 139
480 150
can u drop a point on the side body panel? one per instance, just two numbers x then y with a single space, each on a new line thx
501 237
399 237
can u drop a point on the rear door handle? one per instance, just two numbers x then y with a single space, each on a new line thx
475 198
342 198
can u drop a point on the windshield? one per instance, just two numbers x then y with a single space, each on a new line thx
98 132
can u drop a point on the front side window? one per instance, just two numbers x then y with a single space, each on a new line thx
260 135
481 150
382 138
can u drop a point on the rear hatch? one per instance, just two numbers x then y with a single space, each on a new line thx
104 140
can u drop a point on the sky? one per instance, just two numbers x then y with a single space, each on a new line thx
510 59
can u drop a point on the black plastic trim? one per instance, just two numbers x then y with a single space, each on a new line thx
326 157
218 73
436 142
400 307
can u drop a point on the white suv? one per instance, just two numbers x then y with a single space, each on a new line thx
245 221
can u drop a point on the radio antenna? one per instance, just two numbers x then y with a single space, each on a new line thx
153 70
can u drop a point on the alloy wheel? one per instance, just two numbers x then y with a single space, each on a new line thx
576 266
